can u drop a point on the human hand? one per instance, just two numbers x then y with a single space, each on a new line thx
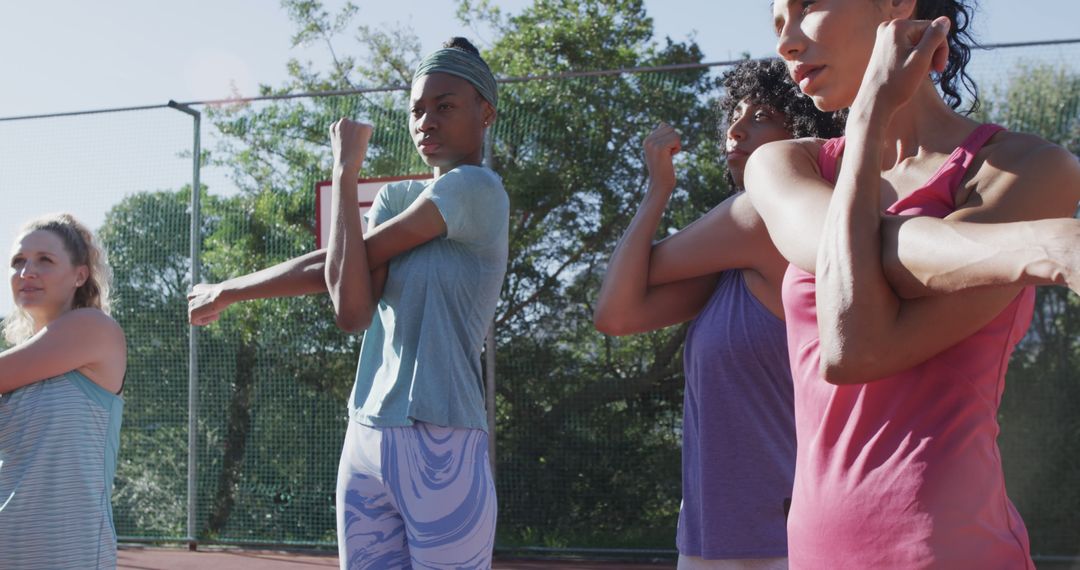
349 140
1063 248
660 147
905 53
205 304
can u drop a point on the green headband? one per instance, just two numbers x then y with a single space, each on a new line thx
464 65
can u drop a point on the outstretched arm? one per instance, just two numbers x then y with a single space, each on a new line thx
298 276
87 340
649 286
867 332
306 274
860 318
628 303
929 256
309 273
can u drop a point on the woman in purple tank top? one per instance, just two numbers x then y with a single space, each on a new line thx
896 384
723 273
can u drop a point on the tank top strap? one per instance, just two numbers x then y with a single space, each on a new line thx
938 194
829 156
975 141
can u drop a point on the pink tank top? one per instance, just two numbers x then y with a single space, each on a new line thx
904 472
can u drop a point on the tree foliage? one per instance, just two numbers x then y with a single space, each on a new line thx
587 426
1040 439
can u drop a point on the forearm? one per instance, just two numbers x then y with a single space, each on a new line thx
298 276
929 256
626 281
855 303
347 275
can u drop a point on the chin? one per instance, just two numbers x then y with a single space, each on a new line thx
829 99
825 103
437 161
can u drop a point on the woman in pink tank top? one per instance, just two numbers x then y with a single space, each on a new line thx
897 385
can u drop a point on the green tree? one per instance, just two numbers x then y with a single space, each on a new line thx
256 457
582 417
147 241
568 151
1040 439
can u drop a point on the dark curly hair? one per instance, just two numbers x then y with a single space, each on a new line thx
955 77
766 82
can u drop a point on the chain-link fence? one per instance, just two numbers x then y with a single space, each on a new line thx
587 426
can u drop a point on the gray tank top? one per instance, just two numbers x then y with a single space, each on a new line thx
58 444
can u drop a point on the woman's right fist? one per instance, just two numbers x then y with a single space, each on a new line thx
349 140
660 146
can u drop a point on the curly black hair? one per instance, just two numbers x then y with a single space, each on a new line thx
766 82
955 76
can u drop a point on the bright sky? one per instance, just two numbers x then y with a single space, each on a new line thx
65 55
68 55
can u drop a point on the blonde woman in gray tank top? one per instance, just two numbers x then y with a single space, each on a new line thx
60 408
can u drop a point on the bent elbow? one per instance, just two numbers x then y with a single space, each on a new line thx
604 324
835 374
610 325
841 370
352 321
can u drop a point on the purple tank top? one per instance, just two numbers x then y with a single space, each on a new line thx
738 429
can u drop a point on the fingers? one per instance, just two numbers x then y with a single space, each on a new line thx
199 316
202 321
345 128
934 45
663 138
201 305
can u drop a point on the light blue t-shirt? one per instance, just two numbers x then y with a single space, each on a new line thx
420 358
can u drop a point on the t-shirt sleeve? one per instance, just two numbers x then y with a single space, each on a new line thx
381 209
472 202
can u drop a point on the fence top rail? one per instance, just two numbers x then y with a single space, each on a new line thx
520 79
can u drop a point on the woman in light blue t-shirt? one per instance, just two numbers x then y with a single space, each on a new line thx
415 486
60 407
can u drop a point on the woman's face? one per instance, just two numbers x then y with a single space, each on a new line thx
447 119
751 125
43 278
827 44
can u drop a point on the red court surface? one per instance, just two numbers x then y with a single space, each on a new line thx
153 558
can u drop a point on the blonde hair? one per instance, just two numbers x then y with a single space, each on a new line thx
84 249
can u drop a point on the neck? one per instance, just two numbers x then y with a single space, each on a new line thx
476 160
43 317
924 124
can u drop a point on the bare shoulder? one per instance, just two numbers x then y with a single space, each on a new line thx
1019 152
808 147
102 336
776 166
1027 176
743 212
93 323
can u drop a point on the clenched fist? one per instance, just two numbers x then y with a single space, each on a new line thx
660 146
349 139
205 304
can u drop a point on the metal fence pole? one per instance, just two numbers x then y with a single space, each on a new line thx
193 345
489 348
